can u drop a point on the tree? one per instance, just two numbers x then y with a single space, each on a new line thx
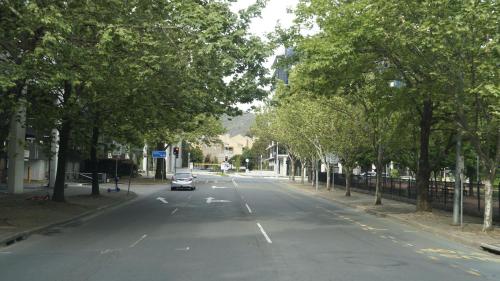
439 57
350 138
130 68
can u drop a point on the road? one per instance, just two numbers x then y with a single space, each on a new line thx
240 229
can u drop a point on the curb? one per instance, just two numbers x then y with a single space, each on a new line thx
495 249
23 235
442 233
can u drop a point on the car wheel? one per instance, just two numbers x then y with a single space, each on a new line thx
172 189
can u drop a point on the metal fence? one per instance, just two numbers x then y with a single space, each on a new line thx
86 177
440 192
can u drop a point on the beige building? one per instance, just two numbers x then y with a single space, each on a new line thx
228 146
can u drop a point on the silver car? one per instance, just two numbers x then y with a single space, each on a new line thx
183 180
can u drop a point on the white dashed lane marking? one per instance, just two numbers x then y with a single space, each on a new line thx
138 241
248 208
264 233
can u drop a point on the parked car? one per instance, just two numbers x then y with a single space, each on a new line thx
183 180
369 174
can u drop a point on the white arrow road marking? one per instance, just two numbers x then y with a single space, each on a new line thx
174 211
248 207
264 233
234 182
219 187
213 200
162 200
137 242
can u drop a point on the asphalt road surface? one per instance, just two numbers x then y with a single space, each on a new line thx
240 229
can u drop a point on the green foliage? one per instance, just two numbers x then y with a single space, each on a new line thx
195 154
422 71
155 70
237 161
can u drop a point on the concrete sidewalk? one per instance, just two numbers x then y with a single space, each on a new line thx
437 222
27 213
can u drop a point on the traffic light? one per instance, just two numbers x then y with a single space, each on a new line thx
176 152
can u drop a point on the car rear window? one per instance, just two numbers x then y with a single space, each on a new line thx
182 175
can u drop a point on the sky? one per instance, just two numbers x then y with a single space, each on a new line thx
274 12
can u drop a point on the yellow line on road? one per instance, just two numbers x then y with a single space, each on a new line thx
473 272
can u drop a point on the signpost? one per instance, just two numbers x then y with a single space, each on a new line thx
224 166
116 154
160 154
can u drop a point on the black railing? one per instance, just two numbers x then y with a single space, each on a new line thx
440 192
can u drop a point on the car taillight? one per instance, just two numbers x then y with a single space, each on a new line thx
190 179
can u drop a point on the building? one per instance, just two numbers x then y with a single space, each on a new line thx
228 146
234 141
277 159
281 66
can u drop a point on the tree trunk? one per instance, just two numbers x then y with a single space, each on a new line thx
316 175
378 189
292 164
58 194
327 168
348 174
302 174
160 162
313 173
424 171
93 159
488 188
488 204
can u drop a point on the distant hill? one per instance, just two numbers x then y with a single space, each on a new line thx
239 125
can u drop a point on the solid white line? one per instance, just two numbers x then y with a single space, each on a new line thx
264 233
137 242
248 207
174 211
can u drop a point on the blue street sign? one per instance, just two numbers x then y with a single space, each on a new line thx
159 154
